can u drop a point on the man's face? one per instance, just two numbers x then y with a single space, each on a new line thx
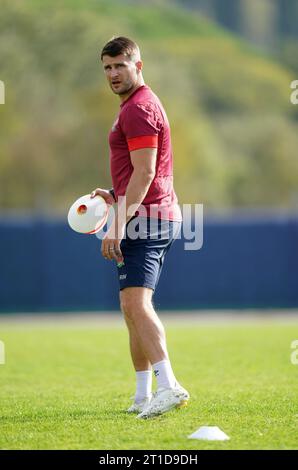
121 72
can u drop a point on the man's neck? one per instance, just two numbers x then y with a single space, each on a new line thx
127 95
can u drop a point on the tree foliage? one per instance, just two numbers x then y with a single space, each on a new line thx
234 129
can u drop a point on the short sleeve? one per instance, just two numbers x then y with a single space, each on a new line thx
141 126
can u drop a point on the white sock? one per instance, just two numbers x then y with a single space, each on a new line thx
144 385
164 374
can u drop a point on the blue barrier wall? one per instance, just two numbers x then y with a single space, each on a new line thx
244 262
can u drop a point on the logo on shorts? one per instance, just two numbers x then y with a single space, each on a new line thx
156 373
122 276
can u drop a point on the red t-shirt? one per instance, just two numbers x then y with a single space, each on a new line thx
142 123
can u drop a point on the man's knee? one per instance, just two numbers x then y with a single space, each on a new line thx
131 304
135 301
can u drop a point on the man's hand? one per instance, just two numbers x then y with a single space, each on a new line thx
110 246
105 194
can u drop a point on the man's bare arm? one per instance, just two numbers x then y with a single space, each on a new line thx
144 166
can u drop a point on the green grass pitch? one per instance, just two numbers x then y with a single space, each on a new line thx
68 386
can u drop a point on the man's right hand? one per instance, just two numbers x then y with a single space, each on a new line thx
105 194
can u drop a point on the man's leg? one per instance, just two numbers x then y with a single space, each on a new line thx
142 367
138 357
149 333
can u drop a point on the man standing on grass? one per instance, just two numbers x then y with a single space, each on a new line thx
142 173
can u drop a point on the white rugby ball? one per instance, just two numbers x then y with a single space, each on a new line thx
88 215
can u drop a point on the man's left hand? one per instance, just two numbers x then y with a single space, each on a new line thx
110 246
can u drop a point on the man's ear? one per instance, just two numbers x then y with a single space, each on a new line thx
139 65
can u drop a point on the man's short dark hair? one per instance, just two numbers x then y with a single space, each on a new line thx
121 45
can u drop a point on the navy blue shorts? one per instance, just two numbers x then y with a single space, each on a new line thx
144 248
